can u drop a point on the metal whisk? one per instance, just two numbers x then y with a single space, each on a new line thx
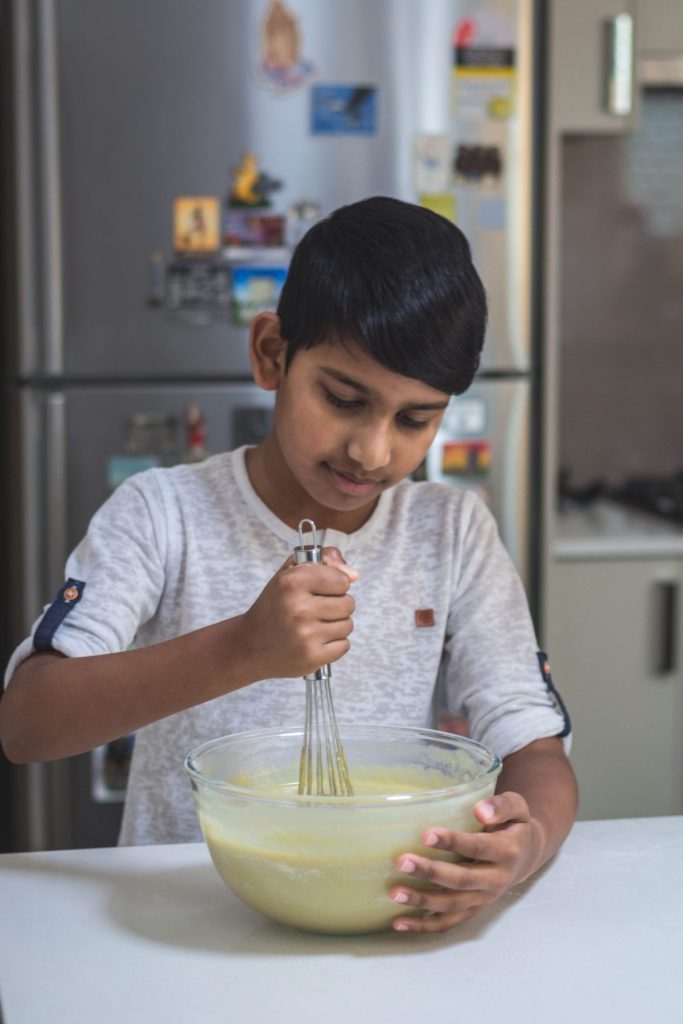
323 770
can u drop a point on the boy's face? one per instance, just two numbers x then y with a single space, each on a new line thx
346 429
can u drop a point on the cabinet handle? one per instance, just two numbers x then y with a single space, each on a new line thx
668 606
618 96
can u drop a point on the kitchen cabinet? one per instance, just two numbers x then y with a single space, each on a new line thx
660 27
608 582
581 62
615 638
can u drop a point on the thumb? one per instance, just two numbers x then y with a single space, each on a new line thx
501 808
485 812
333 556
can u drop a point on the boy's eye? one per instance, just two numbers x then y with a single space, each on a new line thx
412 424
356 403
341 403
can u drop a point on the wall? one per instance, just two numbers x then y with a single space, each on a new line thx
621 361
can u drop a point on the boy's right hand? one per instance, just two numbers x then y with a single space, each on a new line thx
302 618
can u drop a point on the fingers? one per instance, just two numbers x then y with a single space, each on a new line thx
463 876
434 924
301 619
324 580
332 652
440 906
316 612
320 594
445 892
449 897
336 609
335 629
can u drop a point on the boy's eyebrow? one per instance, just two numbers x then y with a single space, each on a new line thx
365 390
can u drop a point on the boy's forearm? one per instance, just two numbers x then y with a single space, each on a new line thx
543 775
56 707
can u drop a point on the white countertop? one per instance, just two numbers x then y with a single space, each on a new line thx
150 934
606 529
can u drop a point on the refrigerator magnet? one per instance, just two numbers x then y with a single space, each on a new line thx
196 225
442 203
465 416
253 229
491 214
255 290
251 187
431 164
344 110
121 467
477 164
109 770
281 66
466 458
198 286
484 51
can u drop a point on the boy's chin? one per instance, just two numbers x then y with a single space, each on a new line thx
344 503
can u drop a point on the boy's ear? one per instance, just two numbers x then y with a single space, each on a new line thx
267 351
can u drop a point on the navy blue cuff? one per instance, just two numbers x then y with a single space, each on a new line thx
67 598
560 706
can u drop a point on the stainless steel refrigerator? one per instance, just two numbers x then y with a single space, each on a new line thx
121 108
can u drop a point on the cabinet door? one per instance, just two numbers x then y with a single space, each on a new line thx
660 27
614 635
581 60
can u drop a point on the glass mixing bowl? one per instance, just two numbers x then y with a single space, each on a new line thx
326 864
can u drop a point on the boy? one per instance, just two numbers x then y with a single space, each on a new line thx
381 319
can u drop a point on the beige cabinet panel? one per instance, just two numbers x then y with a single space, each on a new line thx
623 684
578 65
660 26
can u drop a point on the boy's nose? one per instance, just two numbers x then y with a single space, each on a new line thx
371 448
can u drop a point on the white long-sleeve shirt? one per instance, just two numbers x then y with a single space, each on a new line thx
176 549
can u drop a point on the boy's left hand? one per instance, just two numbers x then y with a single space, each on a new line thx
506 852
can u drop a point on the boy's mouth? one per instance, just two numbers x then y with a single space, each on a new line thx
350 484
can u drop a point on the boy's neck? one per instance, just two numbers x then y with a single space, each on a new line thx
281 492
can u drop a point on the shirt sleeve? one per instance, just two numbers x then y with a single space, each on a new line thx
121 562
494 674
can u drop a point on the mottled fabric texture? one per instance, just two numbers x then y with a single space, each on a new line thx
176 549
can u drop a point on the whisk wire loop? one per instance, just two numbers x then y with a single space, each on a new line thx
323 770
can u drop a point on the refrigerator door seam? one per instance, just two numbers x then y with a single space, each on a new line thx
50 185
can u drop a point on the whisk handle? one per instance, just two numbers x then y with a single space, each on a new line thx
308 553
311 553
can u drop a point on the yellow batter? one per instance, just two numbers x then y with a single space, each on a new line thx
328 865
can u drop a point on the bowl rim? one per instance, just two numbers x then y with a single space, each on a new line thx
384 800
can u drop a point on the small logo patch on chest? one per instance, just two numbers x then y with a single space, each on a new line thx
424 617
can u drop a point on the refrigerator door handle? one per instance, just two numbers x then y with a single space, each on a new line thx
514 484
619 65
55 511
51 264
24 170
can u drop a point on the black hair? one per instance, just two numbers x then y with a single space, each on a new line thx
397 280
